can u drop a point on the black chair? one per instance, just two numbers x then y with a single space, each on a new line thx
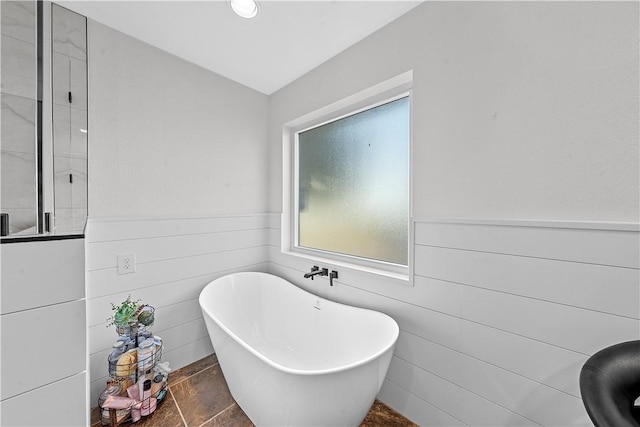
610 384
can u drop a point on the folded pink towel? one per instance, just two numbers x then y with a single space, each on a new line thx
118 402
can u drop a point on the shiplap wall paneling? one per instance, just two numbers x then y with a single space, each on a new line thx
560 290
524 397
438 334
107 281
175 259
581 285
108 229
595 243
416 409
468 407
498 316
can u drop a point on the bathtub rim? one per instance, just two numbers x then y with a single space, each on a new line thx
288 370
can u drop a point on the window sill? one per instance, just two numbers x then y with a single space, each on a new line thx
403 278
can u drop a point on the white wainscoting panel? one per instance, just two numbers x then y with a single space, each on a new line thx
447 396
44 273
35 342
595 243
416 409
500 318
44 334
60 404
175 259
591 286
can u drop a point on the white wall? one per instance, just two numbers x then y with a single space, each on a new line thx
168 137
521 112
177 167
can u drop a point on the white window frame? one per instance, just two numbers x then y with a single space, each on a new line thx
387 91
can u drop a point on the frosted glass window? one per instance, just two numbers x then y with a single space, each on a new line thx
353 184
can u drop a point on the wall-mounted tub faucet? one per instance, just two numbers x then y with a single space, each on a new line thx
333 275
316 271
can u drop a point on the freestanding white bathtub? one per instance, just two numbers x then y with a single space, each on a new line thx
291 358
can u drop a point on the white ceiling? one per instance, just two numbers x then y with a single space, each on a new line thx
286 39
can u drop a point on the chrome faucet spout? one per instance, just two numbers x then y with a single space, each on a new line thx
316 271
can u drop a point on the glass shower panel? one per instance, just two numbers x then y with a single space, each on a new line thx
43 145
353 184
69 98
18 96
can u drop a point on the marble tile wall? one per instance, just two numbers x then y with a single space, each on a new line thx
18 20
19 189
18 86
19 68
18 123
69 33
19 113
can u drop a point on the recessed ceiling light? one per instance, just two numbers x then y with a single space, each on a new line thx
245 8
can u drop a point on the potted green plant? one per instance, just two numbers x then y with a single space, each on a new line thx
124 314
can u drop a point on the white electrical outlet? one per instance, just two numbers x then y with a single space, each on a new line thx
126 263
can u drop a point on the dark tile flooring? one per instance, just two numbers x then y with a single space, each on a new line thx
198 397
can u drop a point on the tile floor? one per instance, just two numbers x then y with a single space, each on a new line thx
198 397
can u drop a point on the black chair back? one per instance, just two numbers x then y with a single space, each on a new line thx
610 384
